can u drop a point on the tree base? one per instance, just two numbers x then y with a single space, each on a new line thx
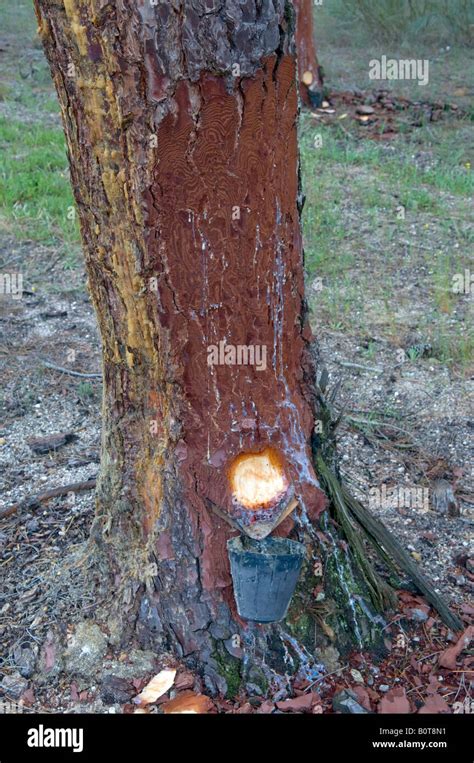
231 656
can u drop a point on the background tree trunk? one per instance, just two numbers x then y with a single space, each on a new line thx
181 128
310 74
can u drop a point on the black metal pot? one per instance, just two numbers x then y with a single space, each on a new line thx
264 574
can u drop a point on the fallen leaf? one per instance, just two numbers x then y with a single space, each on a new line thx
433 685
435 704
159 685
27 698
395 701
362 697
357 676
266 707
244 709
304 702
188 702
447 659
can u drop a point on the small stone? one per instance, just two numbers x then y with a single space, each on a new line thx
116 689
137 664
345 702
330 658
364 110
384 687
429 537
14 685
86 649
25 660
234 647
419 615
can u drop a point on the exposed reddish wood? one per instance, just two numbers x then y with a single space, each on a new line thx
220 151
309 71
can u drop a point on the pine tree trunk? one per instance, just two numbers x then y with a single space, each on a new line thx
309 71
181 125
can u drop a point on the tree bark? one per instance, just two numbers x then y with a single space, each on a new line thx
310 74
181 126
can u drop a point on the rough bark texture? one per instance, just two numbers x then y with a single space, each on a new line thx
309 71
180 120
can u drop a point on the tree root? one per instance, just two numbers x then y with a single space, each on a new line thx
357 524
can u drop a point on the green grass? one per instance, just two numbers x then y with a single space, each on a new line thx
35 193
17 18
357 245
397 20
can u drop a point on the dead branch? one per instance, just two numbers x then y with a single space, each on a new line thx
34 501
347 364
382 539
54 367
